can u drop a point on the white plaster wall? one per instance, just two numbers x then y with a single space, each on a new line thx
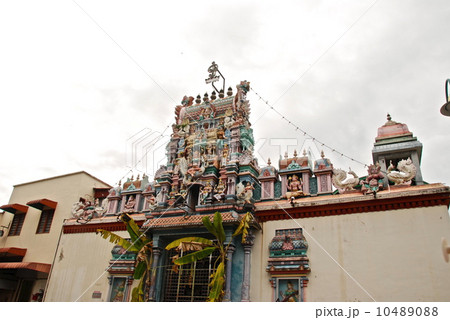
79 268
393 255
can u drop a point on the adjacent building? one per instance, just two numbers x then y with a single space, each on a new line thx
31 225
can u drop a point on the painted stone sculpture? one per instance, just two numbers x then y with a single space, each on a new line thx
374 181
244 192
295 187
404 174
342 183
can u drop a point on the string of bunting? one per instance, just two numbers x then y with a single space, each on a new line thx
297 128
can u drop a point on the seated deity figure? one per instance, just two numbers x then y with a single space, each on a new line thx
295 187
220 190
129 206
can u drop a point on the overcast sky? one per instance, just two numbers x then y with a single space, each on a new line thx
88 85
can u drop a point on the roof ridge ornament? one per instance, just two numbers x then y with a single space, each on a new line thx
213 77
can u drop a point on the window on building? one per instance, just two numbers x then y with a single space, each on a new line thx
16 224
45 221
189 282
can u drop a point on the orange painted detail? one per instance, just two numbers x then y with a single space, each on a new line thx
14 208
41 267
42 203
12 251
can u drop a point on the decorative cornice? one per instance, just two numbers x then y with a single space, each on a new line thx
357 205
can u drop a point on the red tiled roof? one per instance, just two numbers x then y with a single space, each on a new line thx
15 208
189 220
41 267
41 203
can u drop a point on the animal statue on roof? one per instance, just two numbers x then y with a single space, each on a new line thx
342 183
404 174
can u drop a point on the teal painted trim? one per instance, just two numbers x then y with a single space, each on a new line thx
237 273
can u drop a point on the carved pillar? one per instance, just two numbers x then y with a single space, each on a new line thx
246 279
230 252
152 289
273 284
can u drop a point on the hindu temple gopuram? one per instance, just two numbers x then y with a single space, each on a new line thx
312 224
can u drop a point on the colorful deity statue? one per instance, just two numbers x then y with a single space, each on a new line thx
244 191
290 294
205 192
130 205
374 181
220 190
295 187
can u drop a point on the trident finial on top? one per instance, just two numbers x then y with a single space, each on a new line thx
213 77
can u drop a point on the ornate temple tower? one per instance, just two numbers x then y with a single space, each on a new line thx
394 143
210 153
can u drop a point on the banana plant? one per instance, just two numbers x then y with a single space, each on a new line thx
143 247
203 247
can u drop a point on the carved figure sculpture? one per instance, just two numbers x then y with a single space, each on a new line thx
151 202
241 94
244 192
290 295
129 206
342 183
205 192
190 173
406 172
181 110
295 187
220 190
374 180
100 210
86 208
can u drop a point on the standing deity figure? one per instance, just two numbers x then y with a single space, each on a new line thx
205 192
241 96
151 202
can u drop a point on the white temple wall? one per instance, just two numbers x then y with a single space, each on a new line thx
394 255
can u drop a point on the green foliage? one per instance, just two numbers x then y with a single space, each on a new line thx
217 283
244 225
139 244
114 238
176 243
217 223
195 256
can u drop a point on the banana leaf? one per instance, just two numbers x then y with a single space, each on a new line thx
217 283
137 295
243 227
140 269
137 237
176 243
208 225
194 256
114 238
217 222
